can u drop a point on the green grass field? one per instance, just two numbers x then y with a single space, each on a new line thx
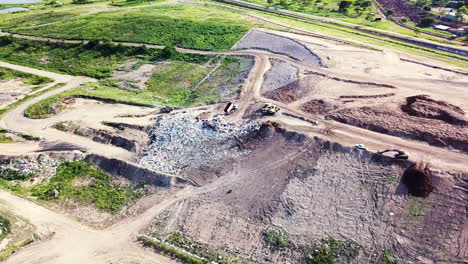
35 17
197 27
31 79
92 60
98 191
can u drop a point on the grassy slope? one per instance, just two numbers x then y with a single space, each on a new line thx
173 83
37 16
74 59
198 27
98 189
31 79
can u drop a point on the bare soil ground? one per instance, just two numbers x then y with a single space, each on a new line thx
21 229
420 118
312 189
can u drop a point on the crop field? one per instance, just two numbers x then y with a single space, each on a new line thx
197 27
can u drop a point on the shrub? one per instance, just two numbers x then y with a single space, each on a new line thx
343 6
389 12
276 239
427 21
11 175
5 227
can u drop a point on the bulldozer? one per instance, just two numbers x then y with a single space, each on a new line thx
270 109
400 154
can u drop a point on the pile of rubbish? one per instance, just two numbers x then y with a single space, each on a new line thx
180 142
43 165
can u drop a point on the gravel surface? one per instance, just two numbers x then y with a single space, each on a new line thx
279 75
181 141
277 44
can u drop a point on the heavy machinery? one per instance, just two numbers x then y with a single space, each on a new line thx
270 109
230 108
400 154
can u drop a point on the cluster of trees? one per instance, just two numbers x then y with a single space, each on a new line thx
345 5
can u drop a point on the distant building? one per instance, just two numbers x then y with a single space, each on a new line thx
451 16
441 27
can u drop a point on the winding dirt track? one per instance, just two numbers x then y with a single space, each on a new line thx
73 242
67 241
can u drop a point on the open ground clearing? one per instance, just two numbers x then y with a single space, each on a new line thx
202 186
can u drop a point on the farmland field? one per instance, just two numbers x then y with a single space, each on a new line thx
198 27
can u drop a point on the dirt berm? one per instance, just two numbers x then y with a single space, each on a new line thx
135 173
420 118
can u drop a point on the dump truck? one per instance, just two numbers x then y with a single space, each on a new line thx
230 108
270 109
400 154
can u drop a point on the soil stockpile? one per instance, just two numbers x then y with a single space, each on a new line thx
318 106
398 123
423 106
418 179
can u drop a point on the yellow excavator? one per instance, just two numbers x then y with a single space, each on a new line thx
270 109
400 154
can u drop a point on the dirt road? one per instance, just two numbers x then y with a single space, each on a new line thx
75 243
67 241
439 157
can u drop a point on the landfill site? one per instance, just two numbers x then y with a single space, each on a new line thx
332 152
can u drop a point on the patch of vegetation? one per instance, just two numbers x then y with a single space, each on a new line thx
5 227
173 82
27 78
95 59
98 191
8 251
64 126
189 251
15 175
386 258
28 97
34 17
326 8
128 3
197 27
329 251
5 139
43 108
276 239
414 211
172 251
226 82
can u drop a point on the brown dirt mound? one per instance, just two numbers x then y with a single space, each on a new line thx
423 106
286 94
318 107
398 123
418 179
